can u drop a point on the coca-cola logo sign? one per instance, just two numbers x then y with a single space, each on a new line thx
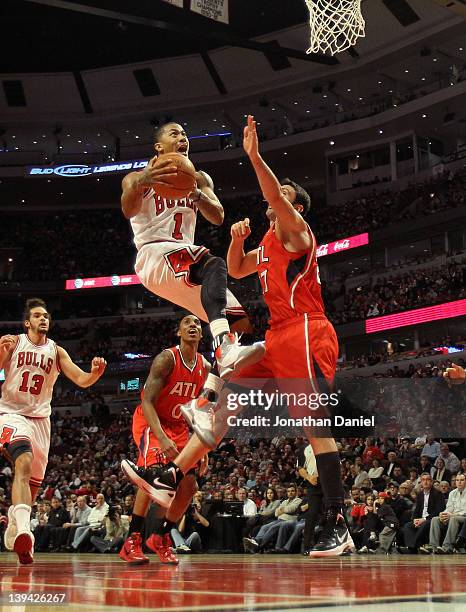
342 245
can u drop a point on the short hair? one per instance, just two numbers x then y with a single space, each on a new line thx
30 304
302 196
158 131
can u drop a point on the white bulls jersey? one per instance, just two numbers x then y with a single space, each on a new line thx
160 219
29 378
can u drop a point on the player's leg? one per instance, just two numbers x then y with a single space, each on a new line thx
131 551
313 359
16 433
160 542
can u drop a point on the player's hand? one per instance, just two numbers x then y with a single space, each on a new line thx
152 174
7 342
241 230
204 464
169 448
98 366
456 375
250 139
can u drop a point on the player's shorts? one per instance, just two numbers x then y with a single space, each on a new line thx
163 268
148 445
305 347
17 427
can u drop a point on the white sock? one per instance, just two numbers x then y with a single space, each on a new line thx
213 383
219 327
22 514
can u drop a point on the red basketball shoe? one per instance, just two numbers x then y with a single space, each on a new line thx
24 547
161 545
131 551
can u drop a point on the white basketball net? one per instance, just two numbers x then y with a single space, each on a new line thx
335 25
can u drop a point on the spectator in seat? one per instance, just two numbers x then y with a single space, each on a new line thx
371 451
375 473
40 516
287 511
249 507
389 521
114 532
429 503
431 449
46 535
452 463
425 464
79 519
128 505
402 506
449 522
187 537
371 525
95 521
439 471
291 532
360 475
391 465
398 475
265 515
446 487
406 451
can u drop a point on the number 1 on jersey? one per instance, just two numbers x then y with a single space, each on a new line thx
177 235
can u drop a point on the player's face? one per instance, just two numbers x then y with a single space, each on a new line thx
289 193
39 321
190 329
173 140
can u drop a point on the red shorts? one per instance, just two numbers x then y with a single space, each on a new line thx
149 446
305 347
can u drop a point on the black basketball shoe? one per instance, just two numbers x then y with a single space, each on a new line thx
160 484
335 538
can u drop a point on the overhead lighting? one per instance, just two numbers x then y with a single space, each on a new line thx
324 96
80 141
460 49
23 201
13 136
10 259
285 153
435 59
423 115
240 163
423 79
295 102
273 108
331 143
214 120
136 137
360 98
308 111
379 82
406 71
380 131
34 142
349 89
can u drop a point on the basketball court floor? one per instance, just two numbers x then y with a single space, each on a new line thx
238 583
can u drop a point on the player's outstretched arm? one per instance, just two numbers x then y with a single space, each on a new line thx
239 263
74 372
161 368
7 345
455 375
291 222
135 183
206 201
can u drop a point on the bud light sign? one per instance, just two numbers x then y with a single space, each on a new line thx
76 170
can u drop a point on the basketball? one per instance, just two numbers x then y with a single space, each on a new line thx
181 184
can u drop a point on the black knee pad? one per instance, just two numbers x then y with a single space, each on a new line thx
15 449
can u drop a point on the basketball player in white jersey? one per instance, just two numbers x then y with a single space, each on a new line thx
32 363
169 264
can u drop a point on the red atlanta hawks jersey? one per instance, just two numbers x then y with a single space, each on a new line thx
290 281
183 385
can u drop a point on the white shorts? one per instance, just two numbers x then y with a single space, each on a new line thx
163 268
15 427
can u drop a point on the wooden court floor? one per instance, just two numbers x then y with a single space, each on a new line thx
236 583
